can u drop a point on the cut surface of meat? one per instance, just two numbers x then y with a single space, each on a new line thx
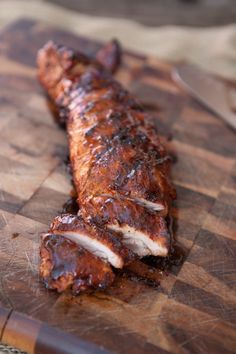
140 243
144 232
102 242
149 205
64 264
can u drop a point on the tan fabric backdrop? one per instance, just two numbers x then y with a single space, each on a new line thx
213 49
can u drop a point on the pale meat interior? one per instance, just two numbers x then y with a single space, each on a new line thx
149 205
95 247
139 242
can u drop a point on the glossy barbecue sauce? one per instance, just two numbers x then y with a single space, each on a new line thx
71 206
150 269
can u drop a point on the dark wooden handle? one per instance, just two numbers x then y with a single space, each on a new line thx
35 337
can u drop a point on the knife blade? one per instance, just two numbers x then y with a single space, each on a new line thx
212 92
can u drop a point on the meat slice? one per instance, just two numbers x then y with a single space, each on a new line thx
65 264
144 232
101 242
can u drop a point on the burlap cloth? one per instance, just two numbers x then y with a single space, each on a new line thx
213 49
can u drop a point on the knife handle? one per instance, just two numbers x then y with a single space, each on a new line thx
36 337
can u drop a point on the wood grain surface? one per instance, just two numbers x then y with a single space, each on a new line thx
194 308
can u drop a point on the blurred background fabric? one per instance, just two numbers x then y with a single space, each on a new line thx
199 31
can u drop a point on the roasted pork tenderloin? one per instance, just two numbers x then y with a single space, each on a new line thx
120 169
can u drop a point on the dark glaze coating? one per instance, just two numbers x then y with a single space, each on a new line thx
67 222
71 206
117 161
113 148
66 265
110 210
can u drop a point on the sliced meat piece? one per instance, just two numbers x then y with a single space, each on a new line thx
102 242
144 232
65 264
140 242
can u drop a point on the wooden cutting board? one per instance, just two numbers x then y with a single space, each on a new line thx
194 308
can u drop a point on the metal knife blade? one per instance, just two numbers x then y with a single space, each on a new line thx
214 93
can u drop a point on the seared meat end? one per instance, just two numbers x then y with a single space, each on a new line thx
65 264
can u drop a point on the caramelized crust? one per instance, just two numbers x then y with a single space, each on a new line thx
120 169
64 265
132 220
114 150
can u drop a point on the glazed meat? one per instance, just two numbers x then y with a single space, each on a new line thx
120 169
102 242
144 231
66 265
